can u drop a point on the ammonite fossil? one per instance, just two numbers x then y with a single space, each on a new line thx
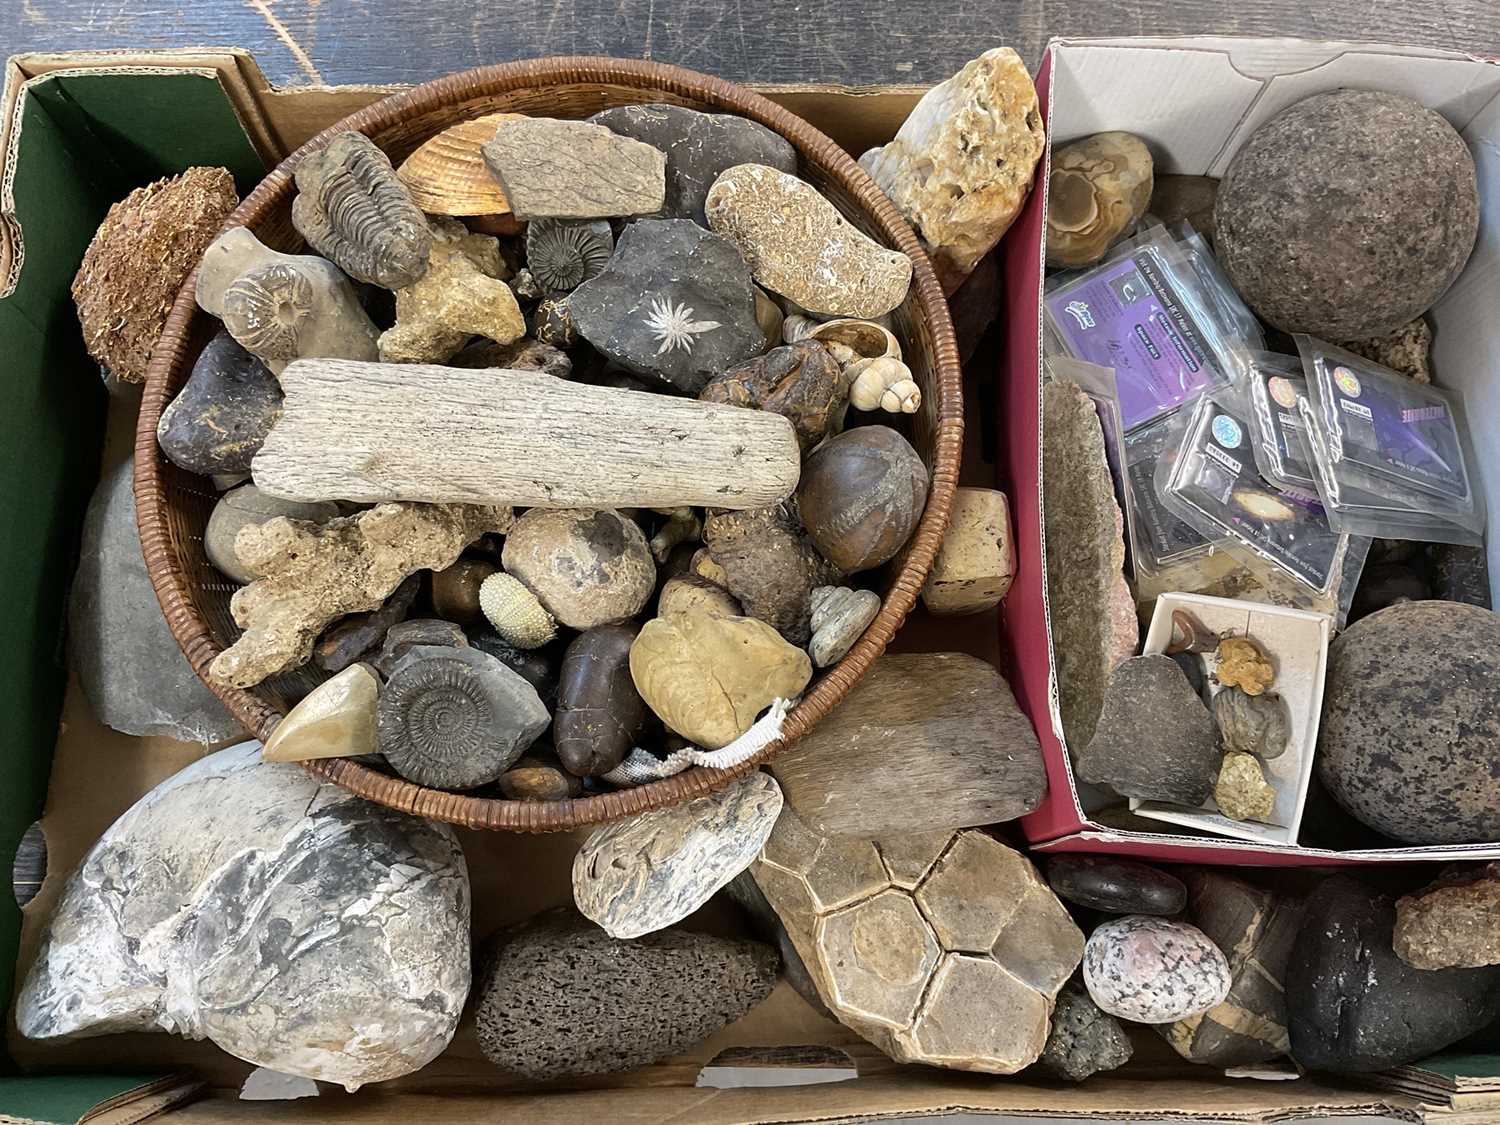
562 256
266 309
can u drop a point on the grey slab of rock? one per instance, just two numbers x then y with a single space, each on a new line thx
675 302
648 872
559 997
553 169
236 890
134 674
1155 740
1354 1005
219 419
403 637
1085 1040
698 146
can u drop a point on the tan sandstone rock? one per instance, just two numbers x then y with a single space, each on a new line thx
975 564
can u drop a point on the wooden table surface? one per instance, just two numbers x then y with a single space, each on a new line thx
852 42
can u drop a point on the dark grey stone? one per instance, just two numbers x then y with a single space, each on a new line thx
1115 886
1155 739
402 637
1460 574
219 419
559 997
1191 664
766 925
698 146
131 668
1353 1005
1386 584
1085 1039
1410 733
539 667
1348 214
675 302
350 639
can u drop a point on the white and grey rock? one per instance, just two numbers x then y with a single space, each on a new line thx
235 890
1153 970
643 874
219 419
248 505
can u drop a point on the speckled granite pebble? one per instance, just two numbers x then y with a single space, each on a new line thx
1115 886
1151 970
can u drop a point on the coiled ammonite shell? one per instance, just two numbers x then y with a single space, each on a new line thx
562 256
355 211
266 309
456 718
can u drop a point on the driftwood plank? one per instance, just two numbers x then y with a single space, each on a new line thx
370 432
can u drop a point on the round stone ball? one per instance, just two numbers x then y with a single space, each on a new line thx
1347 214
588 566
861 496
1410 735
1154 970
248 505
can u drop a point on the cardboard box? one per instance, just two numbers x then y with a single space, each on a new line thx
1194 101
78 135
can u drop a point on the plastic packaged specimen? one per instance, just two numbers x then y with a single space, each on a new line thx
1275 383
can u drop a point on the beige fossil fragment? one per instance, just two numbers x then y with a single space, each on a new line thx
515 613
335 720
1099 188
975 564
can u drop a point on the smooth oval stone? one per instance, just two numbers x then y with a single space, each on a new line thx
1115 886
587 566
861 496
1151 970
600 715
218 421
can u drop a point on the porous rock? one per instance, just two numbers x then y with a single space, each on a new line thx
130 666
1094 624
1153 970
360 634
559 997
234 890
139 258
1241 663
648 872
589 566
1454 923
915 942
799 381
1348 214
1085 1040
675 303
861 496
1154 740
1354 1005
247 505
218 420
1411 723
974 566
552 169
698 146
799 245
770 566
335 720
312 574
600 716
1098 189
961 165
1242 791
1115 886
707 677
1404 350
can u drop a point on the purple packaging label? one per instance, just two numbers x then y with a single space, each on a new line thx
1127 315
1401 432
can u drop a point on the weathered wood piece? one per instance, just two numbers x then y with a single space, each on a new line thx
370 432
924 741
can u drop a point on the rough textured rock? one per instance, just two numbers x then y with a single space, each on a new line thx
553 169
1255 930
1152 970
1404 350
1455 923
1241 663
525 354
915 942
559 997
1085 1040
1098 190
840 616
975 564
459 296
861 496
361 634
234 890
131 668
138 259
1347 214
600 716
312 574
800 246
1094 624
1115 886
1353 1005
335 720
800 381
698 146
1460 574
354 210
1189 199
247 505
1242 791
1154 740
708 677
427 631
688 593
218 420
1253 724
648 872
589 566
770 566
675 303
1411 722
962 163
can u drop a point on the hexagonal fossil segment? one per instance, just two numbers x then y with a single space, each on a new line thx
909 858
875 958
1041 945
970 894
977 1016
835 870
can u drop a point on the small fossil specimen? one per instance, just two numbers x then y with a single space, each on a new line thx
1253 724
552 323
335 720
514 612
563 255
266 309
1098 189
538 777
1241 791
882 384
840 615
446 175
801 382
600 716
354 210
589 566
861 496
850 340
1239 662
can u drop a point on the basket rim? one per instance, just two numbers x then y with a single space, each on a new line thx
169 578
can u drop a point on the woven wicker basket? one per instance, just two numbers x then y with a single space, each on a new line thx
173 506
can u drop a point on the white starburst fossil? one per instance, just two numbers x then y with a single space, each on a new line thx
674 325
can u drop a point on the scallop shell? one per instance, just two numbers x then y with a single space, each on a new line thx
266 309
447 176
562 256
515 612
